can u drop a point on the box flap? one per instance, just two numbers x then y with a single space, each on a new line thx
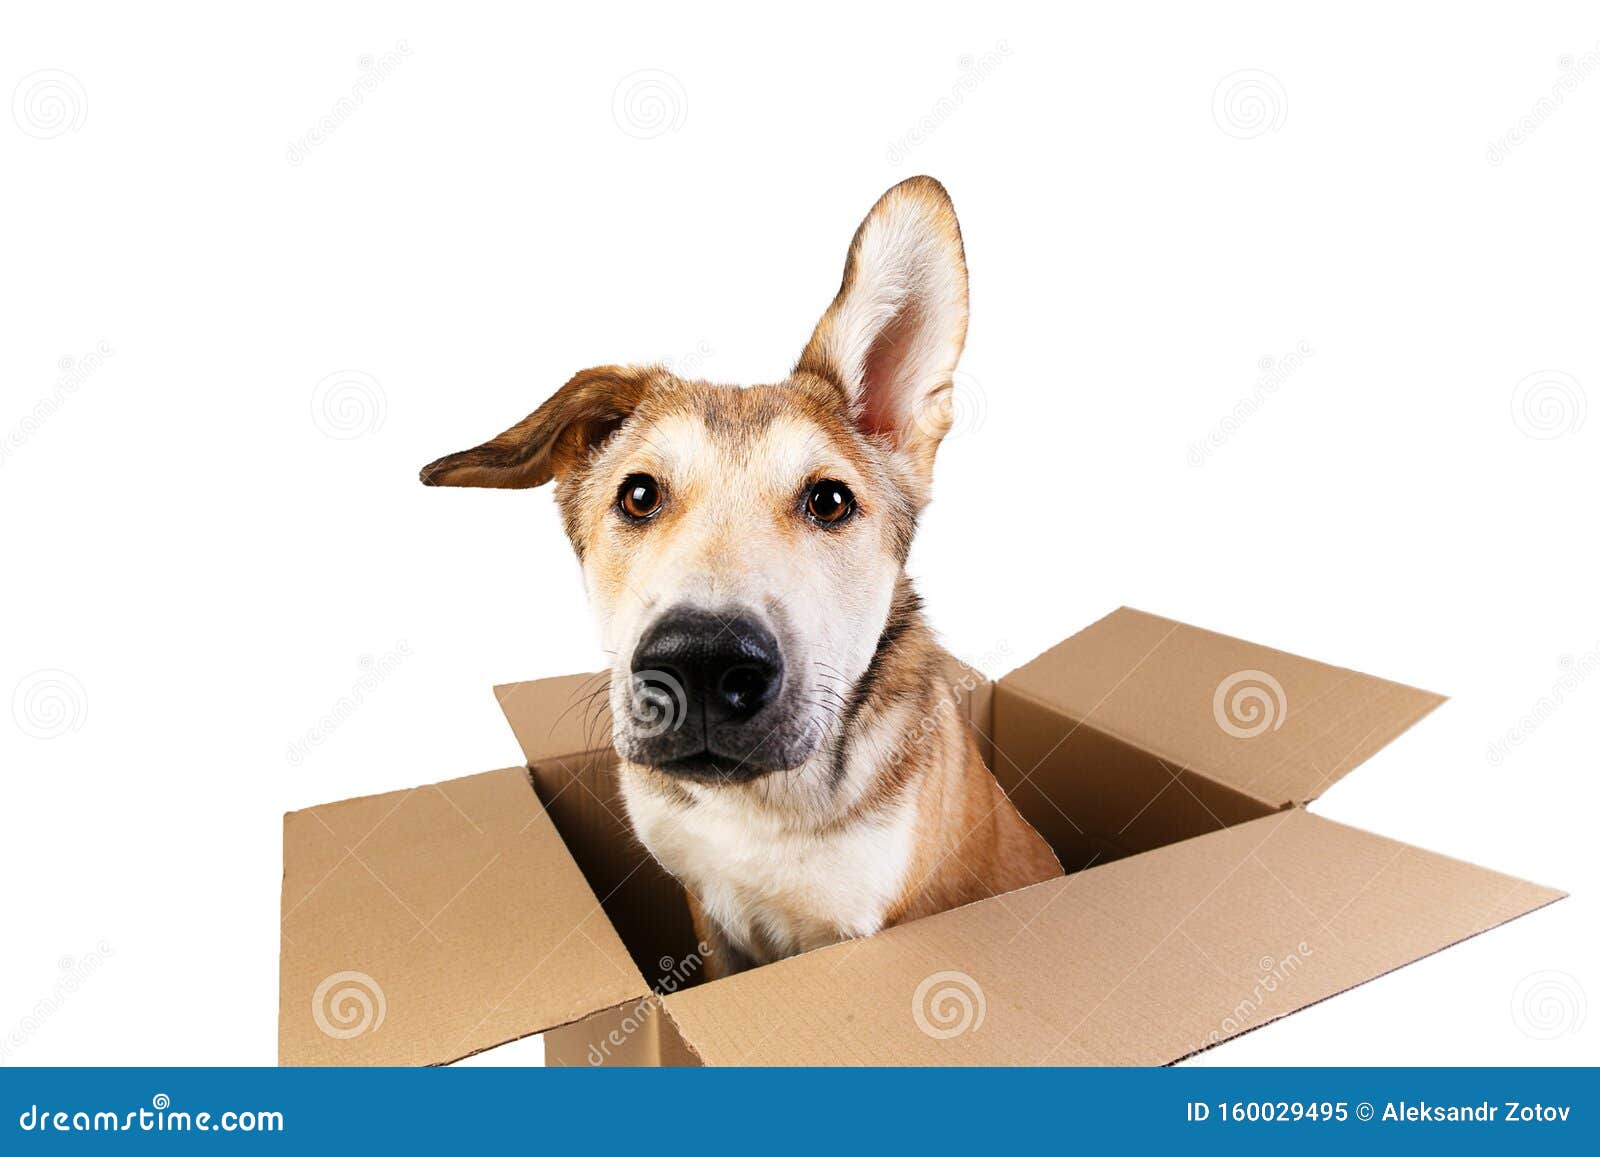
1272 725
552 718
421 926
1142 961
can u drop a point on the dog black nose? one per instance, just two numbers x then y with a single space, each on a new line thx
727 666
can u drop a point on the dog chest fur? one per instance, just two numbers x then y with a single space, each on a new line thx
775 890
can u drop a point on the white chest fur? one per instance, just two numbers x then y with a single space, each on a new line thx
774 890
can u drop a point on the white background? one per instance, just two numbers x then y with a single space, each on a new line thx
208 553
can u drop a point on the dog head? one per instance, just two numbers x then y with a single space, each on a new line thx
742 547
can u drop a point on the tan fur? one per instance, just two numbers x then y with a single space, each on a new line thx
859 814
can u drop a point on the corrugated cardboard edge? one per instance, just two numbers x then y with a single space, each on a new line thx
1104 976
553 718
653 1041
1555 899
433 905
1144 743
1055 680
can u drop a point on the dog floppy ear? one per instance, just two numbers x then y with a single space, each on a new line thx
891 338
554 439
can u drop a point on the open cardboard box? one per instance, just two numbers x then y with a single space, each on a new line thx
1170 767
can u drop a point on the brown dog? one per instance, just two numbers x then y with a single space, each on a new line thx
744 551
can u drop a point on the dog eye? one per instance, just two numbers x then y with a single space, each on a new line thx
639 497
830 502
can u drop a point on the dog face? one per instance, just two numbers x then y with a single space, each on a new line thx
742 547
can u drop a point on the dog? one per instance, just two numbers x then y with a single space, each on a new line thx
773 677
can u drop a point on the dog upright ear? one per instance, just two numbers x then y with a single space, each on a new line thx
891 339
555 439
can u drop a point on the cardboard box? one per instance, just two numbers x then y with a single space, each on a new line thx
1169 766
